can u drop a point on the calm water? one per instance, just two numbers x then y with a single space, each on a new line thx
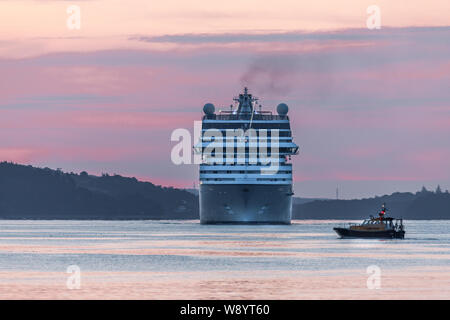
186 260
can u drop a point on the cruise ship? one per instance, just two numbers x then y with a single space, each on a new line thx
245 174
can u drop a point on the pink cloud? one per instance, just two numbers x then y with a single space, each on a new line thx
23 154
349 176
95 119
360 111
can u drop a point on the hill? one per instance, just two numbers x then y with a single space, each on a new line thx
419 206
27 192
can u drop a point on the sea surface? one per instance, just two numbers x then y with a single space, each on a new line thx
186 260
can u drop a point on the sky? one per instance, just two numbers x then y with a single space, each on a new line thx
369 108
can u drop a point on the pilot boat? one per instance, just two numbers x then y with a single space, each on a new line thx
374 227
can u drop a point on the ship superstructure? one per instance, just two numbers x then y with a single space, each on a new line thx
245 176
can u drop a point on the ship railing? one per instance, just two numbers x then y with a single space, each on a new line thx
349 224
227 116
235 112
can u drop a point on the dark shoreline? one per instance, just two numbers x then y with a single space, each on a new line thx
30 193
187 219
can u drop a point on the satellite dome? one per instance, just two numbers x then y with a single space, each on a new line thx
209 108
282 109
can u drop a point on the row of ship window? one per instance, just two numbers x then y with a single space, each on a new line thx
233 179
241 171
280 133
244 126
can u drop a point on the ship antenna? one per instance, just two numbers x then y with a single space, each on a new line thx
251 118
252 103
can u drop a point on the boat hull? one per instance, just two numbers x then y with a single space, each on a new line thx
389 234
245 204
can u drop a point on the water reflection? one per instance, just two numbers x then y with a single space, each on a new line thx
185 260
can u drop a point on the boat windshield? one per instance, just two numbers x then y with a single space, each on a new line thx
370 221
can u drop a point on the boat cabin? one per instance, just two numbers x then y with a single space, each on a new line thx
381 223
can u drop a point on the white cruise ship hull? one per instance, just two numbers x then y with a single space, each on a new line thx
245 204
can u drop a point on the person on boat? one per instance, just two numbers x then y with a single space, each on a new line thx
382 212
